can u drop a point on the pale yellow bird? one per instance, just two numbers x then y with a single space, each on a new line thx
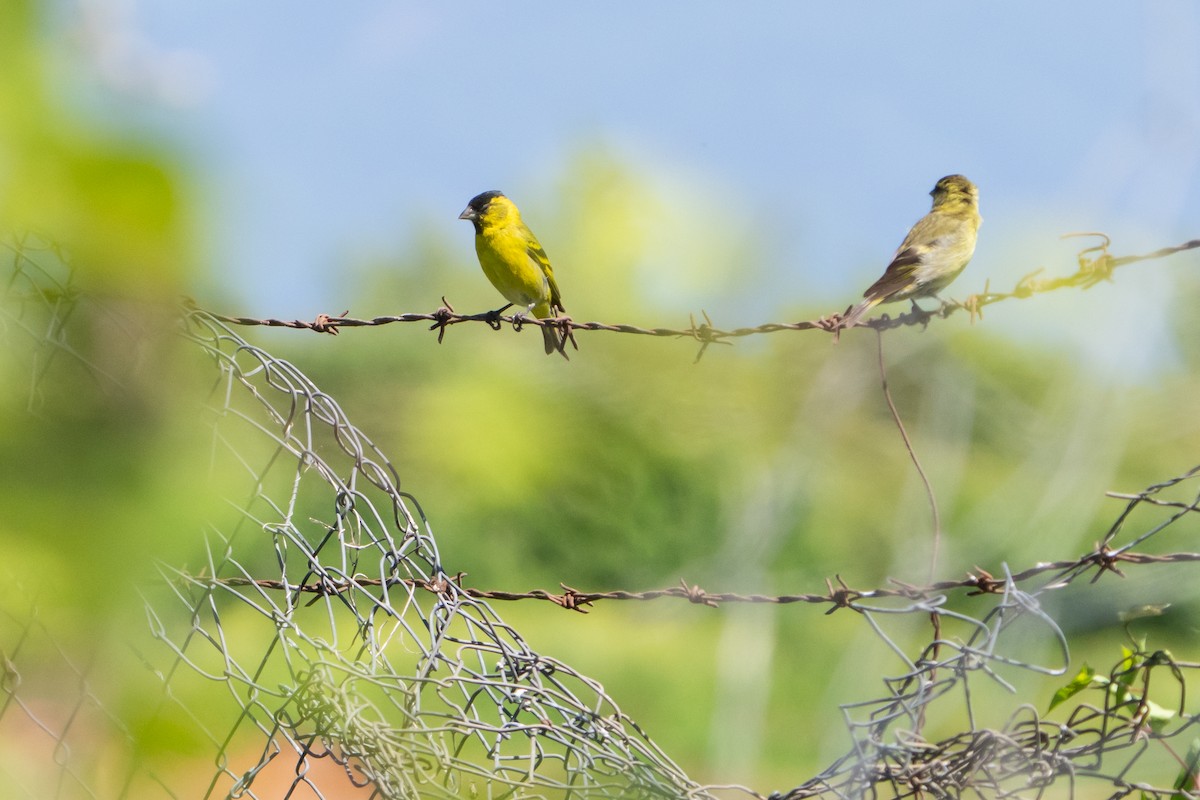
935 251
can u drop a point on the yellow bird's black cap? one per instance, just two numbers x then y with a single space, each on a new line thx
478 203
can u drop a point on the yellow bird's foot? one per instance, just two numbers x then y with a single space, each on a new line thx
492 318
519 318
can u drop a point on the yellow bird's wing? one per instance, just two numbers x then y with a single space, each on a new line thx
538 255
541 261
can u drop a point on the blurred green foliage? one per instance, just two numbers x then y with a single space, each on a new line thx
94 238
765 467
101 477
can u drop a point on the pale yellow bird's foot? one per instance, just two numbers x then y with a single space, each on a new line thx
920 315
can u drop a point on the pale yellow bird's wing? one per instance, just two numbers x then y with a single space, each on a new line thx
926 236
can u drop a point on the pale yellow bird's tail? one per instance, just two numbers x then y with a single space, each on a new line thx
855 314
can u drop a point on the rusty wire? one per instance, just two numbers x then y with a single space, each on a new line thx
325 611
979 581
1091 270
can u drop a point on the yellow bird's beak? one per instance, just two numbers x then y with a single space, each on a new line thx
468 213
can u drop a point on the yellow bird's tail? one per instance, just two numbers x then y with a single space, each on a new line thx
553 341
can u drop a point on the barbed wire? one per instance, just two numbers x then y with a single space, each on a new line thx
1091 271
350 658
1101 559
842 596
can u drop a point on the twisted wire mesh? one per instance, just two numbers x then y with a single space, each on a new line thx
388 668
1092 747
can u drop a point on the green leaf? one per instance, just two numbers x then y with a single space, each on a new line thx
1126 672
1189 778
1157 716
1085 679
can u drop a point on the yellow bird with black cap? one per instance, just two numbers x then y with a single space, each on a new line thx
514 261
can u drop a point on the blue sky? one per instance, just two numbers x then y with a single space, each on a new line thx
323 130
